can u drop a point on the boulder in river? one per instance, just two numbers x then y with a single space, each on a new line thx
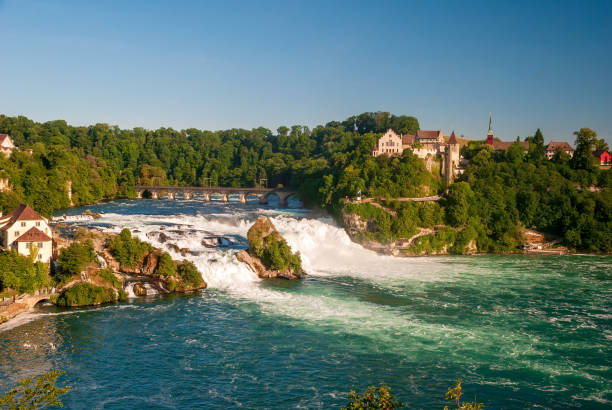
269 254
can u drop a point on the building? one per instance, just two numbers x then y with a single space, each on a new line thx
24 229
602 157
502 145
4 185
7 146
426 145
392 144
554 146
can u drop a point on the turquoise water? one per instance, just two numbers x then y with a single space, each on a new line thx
522 332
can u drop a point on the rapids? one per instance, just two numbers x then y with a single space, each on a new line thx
521 331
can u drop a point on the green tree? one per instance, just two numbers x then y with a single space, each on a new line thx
585 143
537 149
375 398
35 393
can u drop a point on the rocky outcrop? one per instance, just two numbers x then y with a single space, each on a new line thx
144 275
358 230
269 255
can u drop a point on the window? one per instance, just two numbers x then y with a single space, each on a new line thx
39 245
39 256
23 224
28 245
37 223
16 233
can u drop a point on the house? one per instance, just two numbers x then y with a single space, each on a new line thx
602 157
554 146
6 144
502 145
24 229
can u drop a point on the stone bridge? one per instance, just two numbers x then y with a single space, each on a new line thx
11 307
172 192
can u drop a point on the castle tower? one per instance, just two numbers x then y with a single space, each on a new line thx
490 133
451 160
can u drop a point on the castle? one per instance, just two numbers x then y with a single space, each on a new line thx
428 145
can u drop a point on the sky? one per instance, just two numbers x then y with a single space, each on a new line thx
244 64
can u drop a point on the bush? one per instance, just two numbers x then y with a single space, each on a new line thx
112 280
85 294
278 256
17 272
128 250
373 399
189 274
73 259
165 265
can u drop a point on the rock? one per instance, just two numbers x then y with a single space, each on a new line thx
160 236
263 238
184 251
173 247
254 263
139 289
210 242
150 263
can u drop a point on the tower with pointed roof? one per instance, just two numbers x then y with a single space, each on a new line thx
490 133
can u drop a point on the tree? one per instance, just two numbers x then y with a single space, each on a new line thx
35 393
455 393
538 150
585 143
373 399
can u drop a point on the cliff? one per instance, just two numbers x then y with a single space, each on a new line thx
437 240
269 255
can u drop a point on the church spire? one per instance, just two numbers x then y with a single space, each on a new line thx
490 124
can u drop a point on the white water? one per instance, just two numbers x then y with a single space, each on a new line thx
327 252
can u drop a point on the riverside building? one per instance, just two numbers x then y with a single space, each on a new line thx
25 231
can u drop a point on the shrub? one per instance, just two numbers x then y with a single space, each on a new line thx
373 399
35 393
85 294
20 274
189 274
73 259
165 265
108 276
128 250
278 256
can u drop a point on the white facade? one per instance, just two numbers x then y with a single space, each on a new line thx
6 144
390 144
23 229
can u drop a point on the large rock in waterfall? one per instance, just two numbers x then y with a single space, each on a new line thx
269 254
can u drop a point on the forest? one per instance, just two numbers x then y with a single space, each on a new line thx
497 192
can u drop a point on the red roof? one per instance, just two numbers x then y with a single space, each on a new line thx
421 134
3 137
452 139
22 213
504 145
407 139
552 146
33 235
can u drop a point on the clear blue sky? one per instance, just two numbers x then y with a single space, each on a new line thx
224 64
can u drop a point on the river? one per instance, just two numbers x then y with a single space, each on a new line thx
521 331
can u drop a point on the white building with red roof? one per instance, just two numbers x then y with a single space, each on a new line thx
25 231
7 146
553 146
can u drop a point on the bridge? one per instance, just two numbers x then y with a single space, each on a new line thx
188 192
